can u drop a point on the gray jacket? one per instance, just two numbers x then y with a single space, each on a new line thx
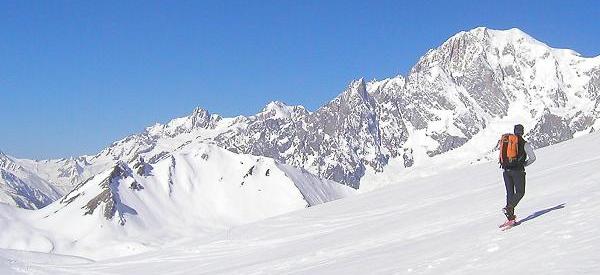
530 154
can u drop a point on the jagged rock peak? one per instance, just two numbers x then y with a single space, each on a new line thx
7 163
121 170
278 109
200 118
357 93
200 112
392 84
109 195
274 105
359 87
204 119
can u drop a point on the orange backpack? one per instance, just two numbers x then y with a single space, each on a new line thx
509 150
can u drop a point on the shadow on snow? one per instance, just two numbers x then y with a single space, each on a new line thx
541 212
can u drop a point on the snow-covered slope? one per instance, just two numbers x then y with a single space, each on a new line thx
197 189
21 187
443 224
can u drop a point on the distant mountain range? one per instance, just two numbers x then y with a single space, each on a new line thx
462 94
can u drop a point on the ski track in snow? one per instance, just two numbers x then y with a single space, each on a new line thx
445 223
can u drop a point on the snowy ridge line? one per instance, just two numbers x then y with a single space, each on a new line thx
199 189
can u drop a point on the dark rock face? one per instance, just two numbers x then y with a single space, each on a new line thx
8 164
551 129
582 122
593 88
143 168
333 141
136 186
447 143
109 197
462 60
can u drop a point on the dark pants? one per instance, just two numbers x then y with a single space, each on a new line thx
514 180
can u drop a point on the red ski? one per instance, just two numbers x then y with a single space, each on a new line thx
507 225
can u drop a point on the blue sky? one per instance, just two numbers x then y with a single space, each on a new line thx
76 75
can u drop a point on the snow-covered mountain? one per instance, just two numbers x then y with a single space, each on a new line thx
21 187
478 82
462 94
474 80
440 224
195 190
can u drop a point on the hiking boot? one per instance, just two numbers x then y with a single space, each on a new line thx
509 212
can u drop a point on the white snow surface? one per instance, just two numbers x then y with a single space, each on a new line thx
445 223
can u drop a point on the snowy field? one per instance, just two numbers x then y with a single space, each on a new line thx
442 224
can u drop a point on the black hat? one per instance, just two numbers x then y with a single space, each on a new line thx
519 129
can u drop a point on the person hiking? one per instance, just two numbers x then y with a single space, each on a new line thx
515 155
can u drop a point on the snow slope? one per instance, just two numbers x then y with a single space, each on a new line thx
445 223
198 189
